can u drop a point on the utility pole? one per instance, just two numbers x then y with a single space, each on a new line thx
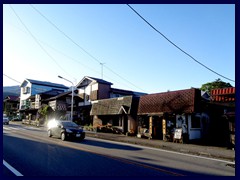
72 96
102 68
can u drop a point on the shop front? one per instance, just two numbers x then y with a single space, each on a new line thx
171 116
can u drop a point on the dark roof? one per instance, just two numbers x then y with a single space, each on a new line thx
182 101
45 83
11 98
112 106
48 94
52 92
127 92
59 96
101 81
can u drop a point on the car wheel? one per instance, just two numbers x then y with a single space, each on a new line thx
63 136
49 133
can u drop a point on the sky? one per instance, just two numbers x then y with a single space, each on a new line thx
112 42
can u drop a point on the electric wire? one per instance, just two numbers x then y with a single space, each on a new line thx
71 58
42 90
35 39
69 38
176 45
11 78
37 89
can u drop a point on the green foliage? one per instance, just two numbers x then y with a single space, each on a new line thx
44 112
218 83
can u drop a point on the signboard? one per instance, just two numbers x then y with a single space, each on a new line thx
52 104
178 133
164 128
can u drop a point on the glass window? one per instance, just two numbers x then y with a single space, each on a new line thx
196 122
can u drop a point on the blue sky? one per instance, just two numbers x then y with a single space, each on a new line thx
134 56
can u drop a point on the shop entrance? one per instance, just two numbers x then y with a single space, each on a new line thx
157 127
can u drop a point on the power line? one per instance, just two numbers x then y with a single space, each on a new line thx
176 45
37 89
77 61
11 78
123 78
69 38
35 39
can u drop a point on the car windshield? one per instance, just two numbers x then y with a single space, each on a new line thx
69 124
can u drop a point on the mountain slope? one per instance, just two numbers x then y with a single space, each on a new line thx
11 91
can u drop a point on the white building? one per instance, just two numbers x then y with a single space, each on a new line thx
31 87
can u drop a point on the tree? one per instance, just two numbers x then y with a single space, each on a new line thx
217 84
44 113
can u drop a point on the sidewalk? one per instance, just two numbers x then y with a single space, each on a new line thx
206 151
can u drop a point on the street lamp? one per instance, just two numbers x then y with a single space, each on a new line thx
72 96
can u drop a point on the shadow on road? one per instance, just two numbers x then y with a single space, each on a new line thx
109 145
35 158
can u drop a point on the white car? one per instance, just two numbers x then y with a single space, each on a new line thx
5 119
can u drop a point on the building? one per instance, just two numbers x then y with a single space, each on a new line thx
11 106
161 114
90 89
119 112
61 105
222 107
33 92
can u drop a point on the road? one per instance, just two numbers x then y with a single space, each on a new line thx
28 151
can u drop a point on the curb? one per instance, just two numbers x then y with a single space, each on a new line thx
218 153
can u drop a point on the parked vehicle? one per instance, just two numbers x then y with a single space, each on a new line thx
16 118
5 119
65 130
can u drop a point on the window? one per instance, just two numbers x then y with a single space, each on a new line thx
26 90
196 121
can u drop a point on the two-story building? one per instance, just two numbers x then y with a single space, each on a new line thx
92 89
32 93
11 106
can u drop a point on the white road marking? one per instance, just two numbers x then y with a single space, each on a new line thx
10 128
156 149
12 169
20 128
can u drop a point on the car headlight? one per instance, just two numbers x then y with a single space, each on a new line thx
68 131
52 123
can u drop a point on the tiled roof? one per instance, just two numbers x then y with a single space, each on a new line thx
45 83
182 101
112 106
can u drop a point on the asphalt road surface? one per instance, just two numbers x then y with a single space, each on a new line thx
28 151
